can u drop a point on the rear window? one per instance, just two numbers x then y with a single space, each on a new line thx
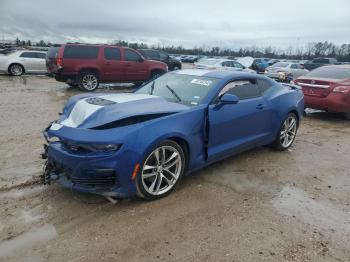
332 72
80 52
52 52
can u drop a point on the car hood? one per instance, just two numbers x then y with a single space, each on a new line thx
245 61
97 111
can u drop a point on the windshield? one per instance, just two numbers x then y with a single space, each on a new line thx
180 88
279 64
208 61
332 72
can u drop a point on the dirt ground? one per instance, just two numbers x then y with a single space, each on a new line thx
261 205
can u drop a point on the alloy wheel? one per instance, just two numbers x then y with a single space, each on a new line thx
161 170
288 131
89 82
16 70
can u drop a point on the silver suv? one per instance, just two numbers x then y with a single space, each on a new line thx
24 61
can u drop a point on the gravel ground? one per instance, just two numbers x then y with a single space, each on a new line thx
261 205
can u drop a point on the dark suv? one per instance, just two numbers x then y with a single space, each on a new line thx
172 63
318 62
86 66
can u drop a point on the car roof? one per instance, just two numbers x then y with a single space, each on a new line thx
220 74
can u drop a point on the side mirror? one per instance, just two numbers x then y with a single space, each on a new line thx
141 60
229 99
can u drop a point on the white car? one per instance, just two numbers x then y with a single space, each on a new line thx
224 64
285 71
23 61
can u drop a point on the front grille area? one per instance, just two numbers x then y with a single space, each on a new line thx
96 178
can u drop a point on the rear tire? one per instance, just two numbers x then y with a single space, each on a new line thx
88 81
16 69
161 170
347 116
287 133
155 74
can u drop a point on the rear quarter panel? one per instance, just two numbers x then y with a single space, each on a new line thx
284 100
72 66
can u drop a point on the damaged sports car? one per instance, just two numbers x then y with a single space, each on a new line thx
142 143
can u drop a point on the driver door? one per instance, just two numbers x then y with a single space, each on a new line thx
237 127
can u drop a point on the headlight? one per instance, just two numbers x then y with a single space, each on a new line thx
53 139
103 147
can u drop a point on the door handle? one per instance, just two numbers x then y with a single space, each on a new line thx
107 63
260 106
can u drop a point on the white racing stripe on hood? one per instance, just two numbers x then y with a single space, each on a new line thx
82 109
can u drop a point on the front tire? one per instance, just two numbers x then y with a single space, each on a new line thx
161 170
287 133
155 74
88 81
16 69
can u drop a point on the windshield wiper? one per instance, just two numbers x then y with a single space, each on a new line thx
152 88
173 92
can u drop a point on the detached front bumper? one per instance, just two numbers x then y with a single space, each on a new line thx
96 173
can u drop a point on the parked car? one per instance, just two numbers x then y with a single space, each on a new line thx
190 58
285 72
172 63
321 61
273 61
142 143
86 66
19 62
327 88
224 64
260 64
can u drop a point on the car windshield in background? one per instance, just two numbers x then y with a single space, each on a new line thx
332 72
279 64
180 88
208 61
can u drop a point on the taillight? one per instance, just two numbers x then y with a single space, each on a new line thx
59 62
342 89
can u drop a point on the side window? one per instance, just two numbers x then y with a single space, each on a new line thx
80 52
163 56
152 55
237 65
244 89
263 86
294 66
226 63
41 55
28 55
131 55
112 53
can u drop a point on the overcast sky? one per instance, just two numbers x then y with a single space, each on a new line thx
200 23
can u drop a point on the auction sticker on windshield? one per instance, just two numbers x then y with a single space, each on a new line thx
201 82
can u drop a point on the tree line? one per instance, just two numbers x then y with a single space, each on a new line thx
308 51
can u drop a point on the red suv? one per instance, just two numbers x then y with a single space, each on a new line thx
86 66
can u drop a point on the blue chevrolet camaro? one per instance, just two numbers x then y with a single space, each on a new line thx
142 143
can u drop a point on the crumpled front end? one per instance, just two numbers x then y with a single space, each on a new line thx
83 166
